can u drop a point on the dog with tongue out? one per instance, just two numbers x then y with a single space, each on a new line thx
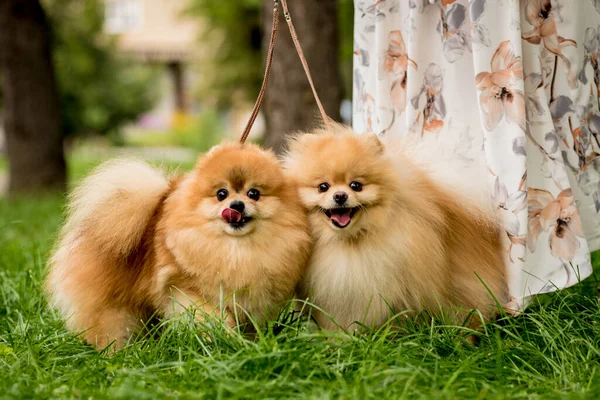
230 238
236 225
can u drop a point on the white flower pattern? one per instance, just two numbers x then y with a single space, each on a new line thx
513 86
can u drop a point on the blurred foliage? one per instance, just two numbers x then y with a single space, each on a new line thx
346 29
199 132
99 90
232 61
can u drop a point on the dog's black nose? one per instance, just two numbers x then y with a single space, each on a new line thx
237 205
340 197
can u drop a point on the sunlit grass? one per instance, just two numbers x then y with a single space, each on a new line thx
551 351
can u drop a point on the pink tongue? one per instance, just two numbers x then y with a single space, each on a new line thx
231 215
342 218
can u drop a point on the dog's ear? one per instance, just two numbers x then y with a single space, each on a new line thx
296 142
295 147
372 141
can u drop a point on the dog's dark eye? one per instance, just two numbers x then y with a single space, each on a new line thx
222 194
253 194
323 187
356 186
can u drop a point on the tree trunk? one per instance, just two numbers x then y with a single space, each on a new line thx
289 104
32 117
177 77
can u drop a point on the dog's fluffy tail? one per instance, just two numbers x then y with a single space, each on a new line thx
113 206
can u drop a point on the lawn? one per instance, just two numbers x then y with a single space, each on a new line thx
551 351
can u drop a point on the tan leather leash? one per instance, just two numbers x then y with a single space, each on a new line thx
288 18
263 88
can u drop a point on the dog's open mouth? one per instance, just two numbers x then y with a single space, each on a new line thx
341 217
234 218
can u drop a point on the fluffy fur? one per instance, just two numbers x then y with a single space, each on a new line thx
416 240
136 243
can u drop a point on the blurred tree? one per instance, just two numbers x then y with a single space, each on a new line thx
100 91
346 39
32 115
289 103
233 58
62 77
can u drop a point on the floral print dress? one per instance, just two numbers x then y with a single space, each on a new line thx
508 84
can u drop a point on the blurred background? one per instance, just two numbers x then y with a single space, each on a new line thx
85 80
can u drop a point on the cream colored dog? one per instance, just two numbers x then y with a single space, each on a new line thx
389 235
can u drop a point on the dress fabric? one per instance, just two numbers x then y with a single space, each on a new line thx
509 85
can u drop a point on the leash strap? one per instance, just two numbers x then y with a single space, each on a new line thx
288 19
263 88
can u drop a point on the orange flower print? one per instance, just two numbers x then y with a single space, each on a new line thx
539 14
369 111
560 217
396 63
434 110
499 89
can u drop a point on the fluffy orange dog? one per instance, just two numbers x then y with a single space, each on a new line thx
390 234
136 243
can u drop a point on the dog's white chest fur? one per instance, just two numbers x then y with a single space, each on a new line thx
354 283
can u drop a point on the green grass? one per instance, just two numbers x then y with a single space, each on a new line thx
551 351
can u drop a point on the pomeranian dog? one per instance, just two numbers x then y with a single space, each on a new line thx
137 243
390 236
